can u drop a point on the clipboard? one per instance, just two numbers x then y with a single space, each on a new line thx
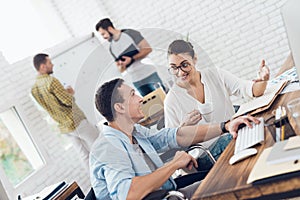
263 102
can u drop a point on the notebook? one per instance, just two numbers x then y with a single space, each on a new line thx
263 172
263 102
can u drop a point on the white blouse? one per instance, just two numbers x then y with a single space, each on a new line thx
219 85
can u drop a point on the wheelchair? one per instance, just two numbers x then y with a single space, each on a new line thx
181 181
156 195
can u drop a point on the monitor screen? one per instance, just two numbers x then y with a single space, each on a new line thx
291 17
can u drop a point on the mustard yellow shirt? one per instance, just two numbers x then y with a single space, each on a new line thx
60 105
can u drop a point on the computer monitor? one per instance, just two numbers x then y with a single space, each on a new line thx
291 16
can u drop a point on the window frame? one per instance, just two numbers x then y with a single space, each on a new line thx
30 181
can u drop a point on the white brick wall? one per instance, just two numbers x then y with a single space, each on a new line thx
235 34
78 15
16 81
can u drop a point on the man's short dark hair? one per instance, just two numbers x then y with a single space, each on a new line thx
107 96
39 59
104 24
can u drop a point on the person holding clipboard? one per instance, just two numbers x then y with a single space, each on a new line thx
129 48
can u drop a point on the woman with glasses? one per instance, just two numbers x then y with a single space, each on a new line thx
194 89
208 90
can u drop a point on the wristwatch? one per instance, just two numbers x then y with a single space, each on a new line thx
223 128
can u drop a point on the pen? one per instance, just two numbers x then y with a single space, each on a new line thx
277 116
283 113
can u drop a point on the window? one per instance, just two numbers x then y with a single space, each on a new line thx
40 23
19 157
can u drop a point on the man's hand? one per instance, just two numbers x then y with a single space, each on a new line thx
120 67
234 124
263 73
125 61
192 118
70 90
183 159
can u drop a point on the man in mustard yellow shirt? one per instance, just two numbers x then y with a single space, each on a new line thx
60 104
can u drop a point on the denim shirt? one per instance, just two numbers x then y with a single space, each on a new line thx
114 162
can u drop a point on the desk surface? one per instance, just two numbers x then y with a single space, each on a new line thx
226 181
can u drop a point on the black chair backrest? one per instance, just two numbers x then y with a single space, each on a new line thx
90 195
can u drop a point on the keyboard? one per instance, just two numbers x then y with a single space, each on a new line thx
248 137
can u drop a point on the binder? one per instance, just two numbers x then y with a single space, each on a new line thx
263 172
263 102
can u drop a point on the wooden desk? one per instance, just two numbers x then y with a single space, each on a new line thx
226 181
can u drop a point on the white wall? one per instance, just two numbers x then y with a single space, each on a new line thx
236 34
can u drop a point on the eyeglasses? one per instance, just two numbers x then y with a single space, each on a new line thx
185 67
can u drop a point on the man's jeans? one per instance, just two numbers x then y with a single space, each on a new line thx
216 149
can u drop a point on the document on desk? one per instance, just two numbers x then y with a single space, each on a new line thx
263 102
264 172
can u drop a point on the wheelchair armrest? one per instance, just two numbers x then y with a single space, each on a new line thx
177 194
158 194
164 194
206 150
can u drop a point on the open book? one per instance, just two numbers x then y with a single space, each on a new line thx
263 102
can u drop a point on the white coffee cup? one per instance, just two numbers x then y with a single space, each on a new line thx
206 111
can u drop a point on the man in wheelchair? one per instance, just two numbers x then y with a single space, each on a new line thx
124 160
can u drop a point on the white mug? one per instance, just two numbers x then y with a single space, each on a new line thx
206 111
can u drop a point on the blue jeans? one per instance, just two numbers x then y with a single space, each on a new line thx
216 149
148 84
